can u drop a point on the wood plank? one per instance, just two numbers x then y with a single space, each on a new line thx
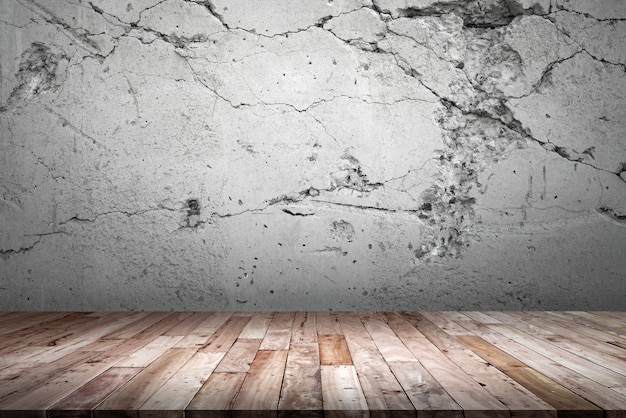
33 375
189 324
466 392
327 323
257 327
581 337
442 321
425 393
217 394
334 350
579 384
401 326
139 324
193 341
239 357
581 365
516 397
87 397
381 388
387 342
149 352
135 393
57 388
179 390
261 388
278 335
212 323
553 393
341 389
302 387
304 328
226 335
28 319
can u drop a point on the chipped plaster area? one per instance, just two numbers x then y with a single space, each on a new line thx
343 154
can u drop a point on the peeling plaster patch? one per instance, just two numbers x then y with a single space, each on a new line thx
472 144
40 71
342 230
476 13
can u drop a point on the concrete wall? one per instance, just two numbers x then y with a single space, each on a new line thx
318 154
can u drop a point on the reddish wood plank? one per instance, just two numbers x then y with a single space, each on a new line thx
226 335
261 388
334 350
87 397
135 393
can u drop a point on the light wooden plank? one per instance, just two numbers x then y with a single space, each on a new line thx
149 352
87 397
341 389
226 335
189 324
28 319
140 323
32 375
327 323
212 323
425 393
577 383
516 397
257 327
381 388
304 328
302 388
334 350
135 393
179 390
239 357
547 389
593 337
579 364
57 388
466 392
442 321
20 355
217 394
387 342
400 326
261 388
278 335
193 341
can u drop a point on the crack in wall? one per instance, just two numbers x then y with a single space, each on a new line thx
475 134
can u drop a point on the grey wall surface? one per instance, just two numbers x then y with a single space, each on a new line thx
318 154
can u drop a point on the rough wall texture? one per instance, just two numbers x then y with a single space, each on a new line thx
319 154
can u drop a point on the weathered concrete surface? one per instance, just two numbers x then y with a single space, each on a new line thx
333 154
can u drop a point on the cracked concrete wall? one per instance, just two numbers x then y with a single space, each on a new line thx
326 154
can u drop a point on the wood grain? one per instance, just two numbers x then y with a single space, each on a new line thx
313 364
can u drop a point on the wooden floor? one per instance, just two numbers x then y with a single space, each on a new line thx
408 364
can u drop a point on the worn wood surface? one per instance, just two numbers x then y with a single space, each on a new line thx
313 364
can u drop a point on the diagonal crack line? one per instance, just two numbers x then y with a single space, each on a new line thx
81 39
